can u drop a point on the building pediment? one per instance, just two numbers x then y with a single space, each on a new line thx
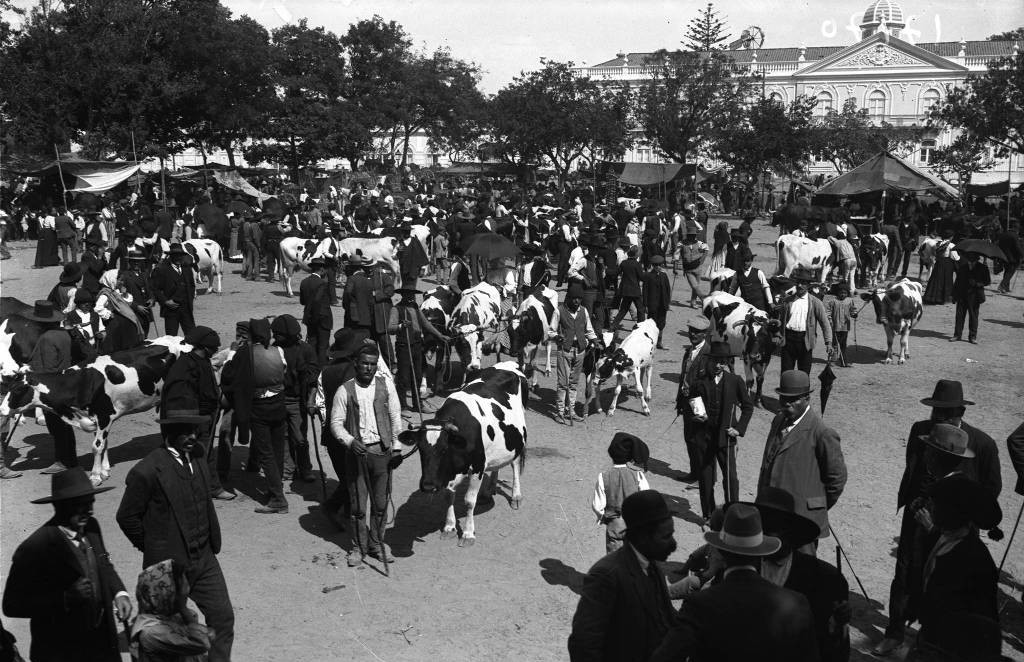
881 53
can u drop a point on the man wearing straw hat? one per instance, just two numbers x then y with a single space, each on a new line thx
744 617
62 580
803 455
167 513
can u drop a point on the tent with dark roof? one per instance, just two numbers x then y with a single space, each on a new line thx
885 172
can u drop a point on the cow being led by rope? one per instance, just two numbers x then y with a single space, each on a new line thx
898 307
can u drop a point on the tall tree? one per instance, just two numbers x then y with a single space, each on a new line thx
688 98
706 31
966 155
989 106
1017 34
849 137
552 114
771 136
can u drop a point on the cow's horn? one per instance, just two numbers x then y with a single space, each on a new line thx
450 427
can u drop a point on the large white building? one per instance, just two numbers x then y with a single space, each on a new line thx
897 81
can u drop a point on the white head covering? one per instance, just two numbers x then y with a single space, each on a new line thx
109 279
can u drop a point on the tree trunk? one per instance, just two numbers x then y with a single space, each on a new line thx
293 160
405 145
231 153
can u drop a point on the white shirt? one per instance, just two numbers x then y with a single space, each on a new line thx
789 428
600 499
368 432
187 463
798 314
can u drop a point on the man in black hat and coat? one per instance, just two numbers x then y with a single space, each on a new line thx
408 324
314 295
62 580
92 265
167 513
657 294
972 276
979 462
172 285
624 609
630 291
744 617
63 293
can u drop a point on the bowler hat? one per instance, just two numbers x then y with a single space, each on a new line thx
948 393
736 232
721 350
346 343
575 291
176 249
778 514
366 261
948 439
794 383
70 484
71 273
93 241
83 295
643 508
183 417
44 311
626 447
742 533
466 216
969 499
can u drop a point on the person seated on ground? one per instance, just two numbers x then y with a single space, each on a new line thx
166 630
703 565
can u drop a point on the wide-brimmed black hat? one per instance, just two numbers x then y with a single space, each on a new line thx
794 383
317 263
346 343
70 484
71 274
948 393
183 417
626 447
175 250
643 508
968 498
43 311
778 515
720 350
948 439
742 533
408 290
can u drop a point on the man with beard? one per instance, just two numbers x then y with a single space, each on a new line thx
624 608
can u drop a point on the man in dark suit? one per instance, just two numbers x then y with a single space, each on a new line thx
315 297
802 316
92 265
62 579
715 433
657 295
624 608
948 407
803 456
908 235
744 617
630 292
172 285
357 297
969 293
695 365
1009 243
166 513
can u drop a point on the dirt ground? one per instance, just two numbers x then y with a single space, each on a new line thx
513 594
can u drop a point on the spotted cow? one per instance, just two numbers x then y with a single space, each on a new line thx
898 308
207 262
812 254
533 326
480 428
296 253
438 307
92 396
593 359
926 254
633 358
873 251
748 330
478 312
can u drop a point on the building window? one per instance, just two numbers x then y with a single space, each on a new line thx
927 148
777 98
824 104
930 100
876 105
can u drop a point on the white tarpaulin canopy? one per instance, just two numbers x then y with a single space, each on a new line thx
234 181
98 181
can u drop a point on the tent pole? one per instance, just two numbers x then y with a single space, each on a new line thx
138 178
60 171
1009 187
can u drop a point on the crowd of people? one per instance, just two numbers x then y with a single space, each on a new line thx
272 387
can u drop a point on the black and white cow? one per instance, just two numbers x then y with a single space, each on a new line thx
92 396
480 428
898 308
296 253
593 359
205 256
438 307
633 358
873 251
749 332
533 326
478 312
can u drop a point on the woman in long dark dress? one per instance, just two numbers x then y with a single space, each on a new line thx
46 246
940 282
122 327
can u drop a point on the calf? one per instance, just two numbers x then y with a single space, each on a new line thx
533 325
438 306
593 359
480 428
207 262
926 254
813 254
749 332
873 251
898 308
92 396
478 310
633 358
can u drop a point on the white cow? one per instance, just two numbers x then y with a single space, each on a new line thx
898 308
633 358
813 254
207 262
478 310
296 253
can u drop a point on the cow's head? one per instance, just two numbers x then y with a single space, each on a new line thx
8 366
617 361
434 440
526 331
875 296
756 331
20 393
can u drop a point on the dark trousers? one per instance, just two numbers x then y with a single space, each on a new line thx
336 451
181 317
320 339
1009 271
267 428
563 261
795 352
906 260
895 255
367 477
409 374
624 304
64 450
706 455
659 318
387 349
220 466
967 307
297 456
331 274
209 591
911 554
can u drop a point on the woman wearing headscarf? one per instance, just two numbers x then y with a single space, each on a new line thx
114 306
166 630
721 247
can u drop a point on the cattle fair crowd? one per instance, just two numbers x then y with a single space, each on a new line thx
366 370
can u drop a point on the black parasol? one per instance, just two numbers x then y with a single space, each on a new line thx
827 377
490 246
981 247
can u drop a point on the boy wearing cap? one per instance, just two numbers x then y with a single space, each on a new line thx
62 580
841 311
575 335
626 476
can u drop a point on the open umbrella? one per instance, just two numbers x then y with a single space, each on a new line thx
490 246
981 247
826 377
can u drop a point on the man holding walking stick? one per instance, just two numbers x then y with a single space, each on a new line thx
366 418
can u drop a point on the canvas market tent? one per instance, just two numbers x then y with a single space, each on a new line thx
80 175
655 174
885 172
996 189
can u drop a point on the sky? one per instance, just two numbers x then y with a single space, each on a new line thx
506 37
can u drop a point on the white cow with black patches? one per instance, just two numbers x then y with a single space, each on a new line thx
633 358
478 429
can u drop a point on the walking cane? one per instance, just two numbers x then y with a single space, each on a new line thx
839 549
319 463
415 386
1006 552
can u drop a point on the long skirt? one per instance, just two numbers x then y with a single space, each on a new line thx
46 249
940 283
716 263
